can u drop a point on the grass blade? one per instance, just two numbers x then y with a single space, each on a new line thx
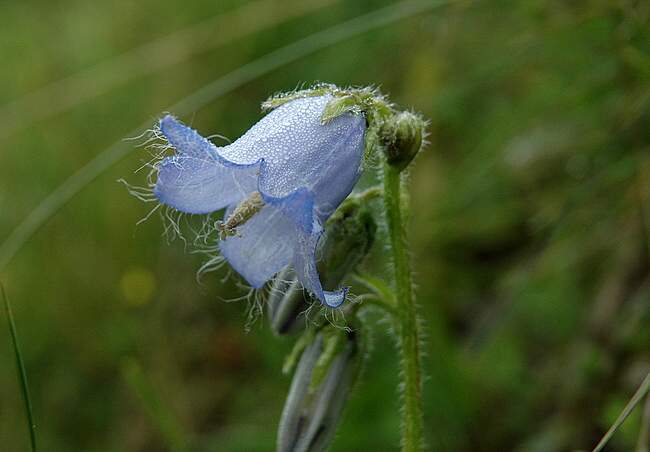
67 93
643 444
20 365
636 398
162 416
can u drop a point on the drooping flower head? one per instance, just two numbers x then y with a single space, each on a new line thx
279 182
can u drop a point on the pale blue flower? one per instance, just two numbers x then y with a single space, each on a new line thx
302 168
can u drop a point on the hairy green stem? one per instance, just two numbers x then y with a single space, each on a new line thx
407 323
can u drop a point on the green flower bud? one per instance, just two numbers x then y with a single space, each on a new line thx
349 234
401 137
312 412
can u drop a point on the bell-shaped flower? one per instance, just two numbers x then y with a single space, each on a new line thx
279 182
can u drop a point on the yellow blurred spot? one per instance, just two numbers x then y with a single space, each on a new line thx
138 286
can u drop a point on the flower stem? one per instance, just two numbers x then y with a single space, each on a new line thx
407 323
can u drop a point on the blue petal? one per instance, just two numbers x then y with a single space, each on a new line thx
290 147
299 151
263 248
340 171
304 263
186 140
194 185
285 231
298 206
196 179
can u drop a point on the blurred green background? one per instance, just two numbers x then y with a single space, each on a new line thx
530 222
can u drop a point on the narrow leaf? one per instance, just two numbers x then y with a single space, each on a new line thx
20 365
636 398
162 416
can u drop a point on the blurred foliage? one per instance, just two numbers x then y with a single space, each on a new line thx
530 226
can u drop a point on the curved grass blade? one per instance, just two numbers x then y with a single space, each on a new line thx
643 444
235 79
67 93
636 398
20 365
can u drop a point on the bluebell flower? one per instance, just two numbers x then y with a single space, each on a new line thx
279 182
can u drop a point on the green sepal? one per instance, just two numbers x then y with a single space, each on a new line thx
372 141
301 344
338 106
367 100
333 342
379 288
279 99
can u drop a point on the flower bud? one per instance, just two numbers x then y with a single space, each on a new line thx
311 413
402 136
285 303
349 234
